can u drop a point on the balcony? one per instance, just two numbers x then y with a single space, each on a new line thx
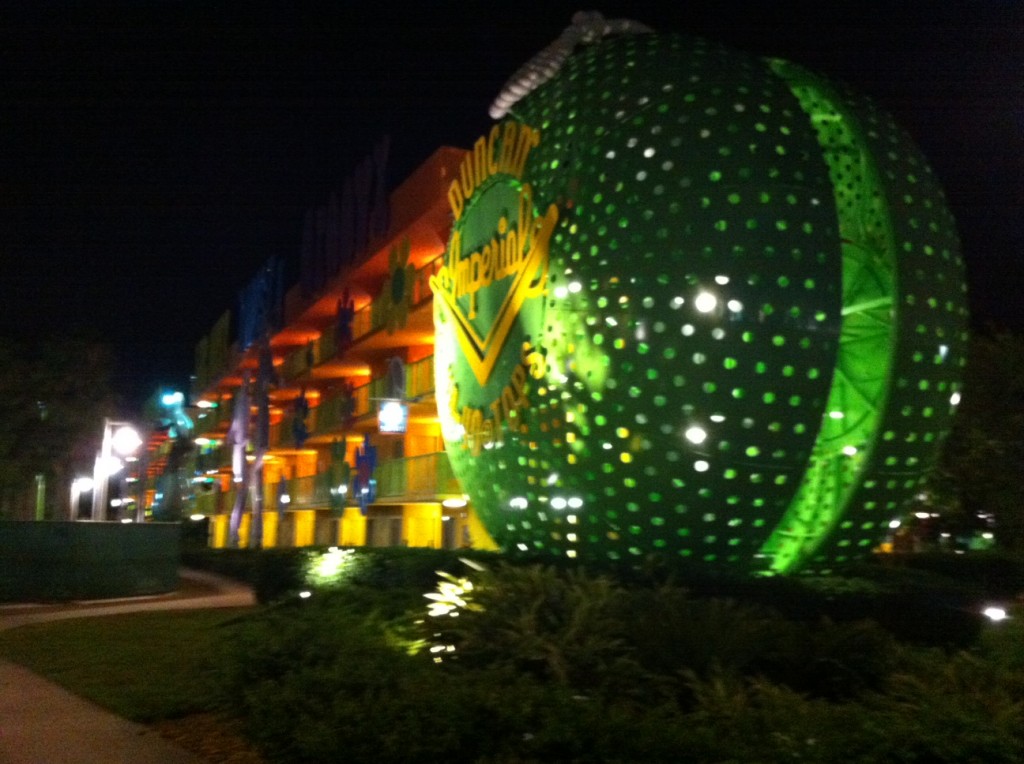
210 420
298 362
419 378
368 319
416 478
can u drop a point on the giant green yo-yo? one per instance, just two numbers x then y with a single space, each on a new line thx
698 304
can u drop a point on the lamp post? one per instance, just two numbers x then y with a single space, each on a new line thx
118 437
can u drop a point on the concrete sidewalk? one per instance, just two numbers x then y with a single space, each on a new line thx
42 723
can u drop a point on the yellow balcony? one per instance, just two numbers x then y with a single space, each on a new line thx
417 478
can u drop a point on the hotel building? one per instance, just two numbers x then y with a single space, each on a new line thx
346 423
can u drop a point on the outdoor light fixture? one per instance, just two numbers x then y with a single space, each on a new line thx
393 416
125 440
119 437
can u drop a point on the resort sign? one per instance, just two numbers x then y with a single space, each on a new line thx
491 286
714 311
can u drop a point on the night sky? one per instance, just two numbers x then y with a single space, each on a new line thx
154 154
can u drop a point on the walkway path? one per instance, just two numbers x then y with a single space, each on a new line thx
42 723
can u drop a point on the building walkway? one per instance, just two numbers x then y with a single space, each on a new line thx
42 723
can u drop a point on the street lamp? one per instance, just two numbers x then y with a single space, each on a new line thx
118 437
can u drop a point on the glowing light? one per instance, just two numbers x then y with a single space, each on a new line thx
575 286
954 399
696 435
107 466
305 594
734 305
995 613
701 466
196 517
849 450
575 502
172 399
836 414
705 302
206 404
393 416
125 440
518 502
559 503
895 524
455 503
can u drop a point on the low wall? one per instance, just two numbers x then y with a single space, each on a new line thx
62 561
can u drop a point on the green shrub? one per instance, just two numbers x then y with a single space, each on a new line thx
533 663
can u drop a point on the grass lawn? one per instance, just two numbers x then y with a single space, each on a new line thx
143 666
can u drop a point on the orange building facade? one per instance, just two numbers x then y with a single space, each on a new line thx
351 446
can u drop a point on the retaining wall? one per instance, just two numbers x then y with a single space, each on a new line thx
61 561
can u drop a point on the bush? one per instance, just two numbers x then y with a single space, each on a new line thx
547 665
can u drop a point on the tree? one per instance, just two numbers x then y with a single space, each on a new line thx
982 469
54 395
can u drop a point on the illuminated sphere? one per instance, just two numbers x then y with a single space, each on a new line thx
747 344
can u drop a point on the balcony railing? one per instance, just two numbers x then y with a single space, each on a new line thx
298 362
282 434
419 378
331 415
414 478
371 317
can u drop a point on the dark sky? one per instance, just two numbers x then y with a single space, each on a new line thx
154 154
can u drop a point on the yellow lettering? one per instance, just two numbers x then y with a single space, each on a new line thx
456 199
492 159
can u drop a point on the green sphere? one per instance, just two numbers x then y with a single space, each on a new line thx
698 304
